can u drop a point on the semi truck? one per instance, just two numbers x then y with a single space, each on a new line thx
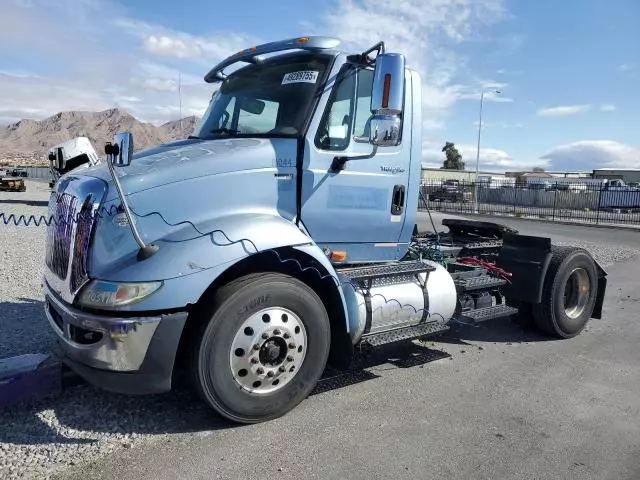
282 237
70 154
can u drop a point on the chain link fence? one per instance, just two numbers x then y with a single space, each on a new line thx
580 201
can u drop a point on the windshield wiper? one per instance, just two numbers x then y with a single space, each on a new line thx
193 137
230 131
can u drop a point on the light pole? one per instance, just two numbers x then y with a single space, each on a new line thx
475 196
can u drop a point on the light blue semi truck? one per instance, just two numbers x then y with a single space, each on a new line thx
281 236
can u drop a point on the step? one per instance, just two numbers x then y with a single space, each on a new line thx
482 282
386 270
487 313
406 333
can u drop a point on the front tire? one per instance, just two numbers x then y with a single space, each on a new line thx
569 293
263 346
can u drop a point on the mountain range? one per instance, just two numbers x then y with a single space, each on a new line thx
26 142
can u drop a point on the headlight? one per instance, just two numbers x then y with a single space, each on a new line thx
109 294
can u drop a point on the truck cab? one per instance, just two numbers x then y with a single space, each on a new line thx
271 241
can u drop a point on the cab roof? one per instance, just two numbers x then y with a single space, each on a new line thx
256 54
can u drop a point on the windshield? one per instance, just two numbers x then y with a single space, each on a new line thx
272 99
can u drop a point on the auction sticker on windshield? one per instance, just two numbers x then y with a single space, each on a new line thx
305 76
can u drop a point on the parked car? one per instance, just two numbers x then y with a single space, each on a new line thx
451 191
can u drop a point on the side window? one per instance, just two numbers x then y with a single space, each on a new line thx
348 111
363 104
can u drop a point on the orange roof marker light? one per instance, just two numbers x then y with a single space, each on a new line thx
302 40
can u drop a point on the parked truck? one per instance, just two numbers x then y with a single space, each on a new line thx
69 155
282 236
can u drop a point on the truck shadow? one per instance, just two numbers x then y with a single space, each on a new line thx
500 330
85 415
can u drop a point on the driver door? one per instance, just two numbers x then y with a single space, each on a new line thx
360 209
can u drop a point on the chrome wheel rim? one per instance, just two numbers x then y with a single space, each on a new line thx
268 350
576 293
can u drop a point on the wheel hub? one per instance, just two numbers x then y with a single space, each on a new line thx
576 293
273 351
268 350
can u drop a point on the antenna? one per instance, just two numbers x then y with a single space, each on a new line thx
180 97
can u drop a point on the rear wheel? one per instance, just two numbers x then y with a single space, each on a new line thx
262 348
569 293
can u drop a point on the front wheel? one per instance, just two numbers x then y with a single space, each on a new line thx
263 346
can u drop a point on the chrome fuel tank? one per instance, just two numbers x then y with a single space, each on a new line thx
430 297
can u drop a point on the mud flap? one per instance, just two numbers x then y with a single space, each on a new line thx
527 259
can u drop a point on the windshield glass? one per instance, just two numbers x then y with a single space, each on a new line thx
272 99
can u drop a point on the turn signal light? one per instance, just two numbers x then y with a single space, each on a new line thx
338 256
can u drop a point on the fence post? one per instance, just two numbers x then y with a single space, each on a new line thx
555 196
599 202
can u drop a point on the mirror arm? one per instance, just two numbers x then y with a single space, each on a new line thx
145 251
339 162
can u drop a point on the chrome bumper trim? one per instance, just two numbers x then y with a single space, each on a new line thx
124 341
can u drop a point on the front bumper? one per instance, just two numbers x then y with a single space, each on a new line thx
123 355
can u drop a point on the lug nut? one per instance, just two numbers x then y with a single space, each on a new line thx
254 360
256 347
270 374
289 358
276 332
286 335
292 345
282 369
265 335
260 371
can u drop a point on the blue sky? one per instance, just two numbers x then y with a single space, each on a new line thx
567 70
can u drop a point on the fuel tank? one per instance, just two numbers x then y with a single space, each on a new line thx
397 303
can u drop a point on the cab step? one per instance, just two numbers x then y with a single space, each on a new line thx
483 282
487 313
387 273
405 333
386 270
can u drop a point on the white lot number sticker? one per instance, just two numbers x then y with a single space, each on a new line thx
305 76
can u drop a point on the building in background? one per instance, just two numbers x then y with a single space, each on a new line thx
628 175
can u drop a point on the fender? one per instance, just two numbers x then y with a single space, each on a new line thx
189 261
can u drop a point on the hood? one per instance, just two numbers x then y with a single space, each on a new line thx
192 158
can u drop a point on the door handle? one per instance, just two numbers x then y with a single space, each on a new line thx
397 200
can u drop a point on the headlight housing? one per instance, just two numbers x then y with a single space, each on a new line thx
101 294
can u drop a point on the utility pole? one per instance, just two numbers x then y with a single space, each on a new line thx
180 98
475 196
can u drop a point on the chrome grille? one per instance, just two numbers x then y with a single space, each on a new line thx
81 245
59 234
73 211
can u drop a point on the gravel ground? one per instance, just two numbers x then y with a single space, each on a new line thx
84 424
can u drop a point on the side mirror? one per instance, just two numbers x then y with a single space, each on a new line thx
385 130
120 152
387 100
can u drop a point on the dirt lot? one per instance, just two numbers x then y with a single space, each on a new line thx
493 401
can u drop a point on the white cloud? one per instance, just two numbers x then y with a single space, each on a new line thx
426 31
162 41
589 154
628 67
131 62
113 66
608 107
490 159
172 47
562 111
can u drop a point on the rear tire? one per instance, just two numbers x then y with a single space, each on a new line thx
569 293
288 324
